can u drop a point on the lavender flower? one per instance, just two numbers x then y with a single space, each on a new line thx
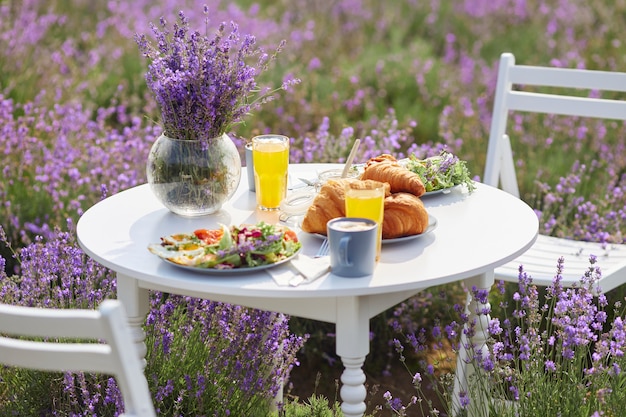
230 348
561 345
204 85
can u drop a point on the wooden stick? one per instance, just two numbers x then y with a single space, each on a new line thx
348 164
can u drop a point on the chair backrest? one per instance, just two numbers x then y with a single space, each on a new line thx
112 351
500 168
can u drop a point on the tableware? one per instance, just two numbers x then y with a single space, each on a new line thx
432 225
235 247
271 161
442 191
334 174
323 250
359 168
352 245
250 167
296 204
307 269
444 170
307 182
234 271
367 199
348 163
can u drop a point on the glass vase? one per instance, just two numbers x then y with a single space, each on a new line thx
193 177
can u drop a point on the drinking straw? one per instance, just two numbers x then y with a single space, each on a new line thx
348 164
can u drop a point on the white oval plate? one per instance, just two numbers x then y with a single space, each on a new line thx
432 225
234 271
442 191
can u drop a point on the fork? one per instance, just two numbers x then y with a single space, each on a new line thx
323 250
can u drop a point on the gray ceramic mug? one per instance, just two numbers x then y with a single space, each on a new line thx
352 242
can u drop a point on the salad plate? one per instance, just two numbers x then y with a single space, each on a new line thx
440 173
233 271
441 191
229 250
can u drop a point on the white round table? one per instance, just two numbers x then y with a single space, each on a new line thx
475 233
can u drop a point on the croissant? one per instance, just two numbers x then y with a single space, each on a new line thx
329 204
400 179
405 215
381 158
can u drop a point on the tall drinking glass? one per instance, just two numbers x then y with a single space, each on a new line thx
270 155
367 199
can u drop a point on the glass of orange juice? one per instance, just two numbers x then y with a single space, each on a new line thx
367 199
270 156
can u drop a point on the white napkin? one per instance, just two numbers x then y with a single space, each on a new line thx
301 270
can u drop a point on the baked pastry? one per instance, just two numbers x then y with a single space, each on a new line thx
405 215
384 157
399 178
329 204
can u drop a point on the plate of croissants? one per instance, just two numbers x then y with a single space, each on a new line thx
405 216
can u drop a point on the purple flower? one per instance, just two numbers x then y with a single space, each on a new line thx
464 400
417 378
203 85
494 328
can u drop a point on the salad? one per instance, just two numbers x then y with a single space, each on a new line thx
441 171
244 246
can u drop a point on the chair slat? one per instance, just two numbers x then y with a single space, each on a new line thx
27 321
54 356
567 78
569 106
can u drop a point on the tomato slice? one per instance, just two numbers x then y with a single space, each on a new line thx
209 236
291 235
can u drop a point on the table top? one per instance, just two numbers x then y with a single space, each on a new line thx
475 233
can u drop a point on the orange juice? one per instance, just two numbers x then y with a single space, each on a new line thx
270 154
369 204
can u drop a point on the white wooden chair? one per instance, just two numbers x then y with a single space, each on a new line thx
540 261
116 357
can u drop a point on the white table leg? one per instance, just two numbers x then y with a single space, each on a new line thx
137 304
353 391
465 368
352 347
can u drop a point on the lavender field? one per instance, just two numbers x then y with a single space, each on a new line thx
404 76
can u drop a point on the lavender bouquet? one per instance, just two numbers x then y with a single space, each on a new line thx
203 86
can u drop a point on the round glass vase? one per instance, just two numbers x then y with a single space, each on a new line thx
193 177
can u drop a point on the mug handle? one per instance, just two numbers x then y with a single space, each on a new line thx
343 251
